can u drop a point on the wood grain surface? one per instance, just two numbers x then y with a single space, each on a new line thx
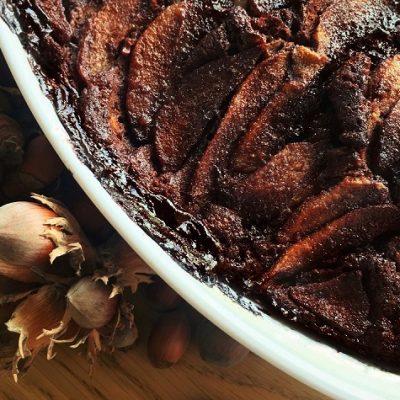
128 375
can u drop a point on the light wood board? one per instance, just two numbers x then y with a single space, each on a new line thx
130 376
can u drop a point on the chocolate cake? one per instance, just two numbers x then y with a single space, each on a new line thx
257 141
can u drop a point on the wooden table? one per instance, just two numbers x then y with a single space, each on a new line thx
130 376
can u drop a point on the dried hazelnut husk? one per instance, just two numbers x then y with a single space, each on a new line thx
217 347
169 339
122 265
33 289
37 320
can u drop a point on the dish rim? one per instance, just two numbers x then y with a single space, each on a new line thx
316 364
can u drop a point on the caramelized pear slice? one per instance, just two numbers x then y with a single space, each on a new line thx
341 302
105 31
348 195
357 228
388 150
197 101
348 91
346 21
385 90
158 60
101 109
250 99
284 182
55 13
273 126
385 87
100 68
225 223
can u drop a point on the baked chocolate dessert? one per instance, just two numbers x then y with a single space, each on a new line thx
257 141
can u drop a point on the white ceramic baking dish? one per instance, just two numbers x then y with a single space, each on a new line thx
317 365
